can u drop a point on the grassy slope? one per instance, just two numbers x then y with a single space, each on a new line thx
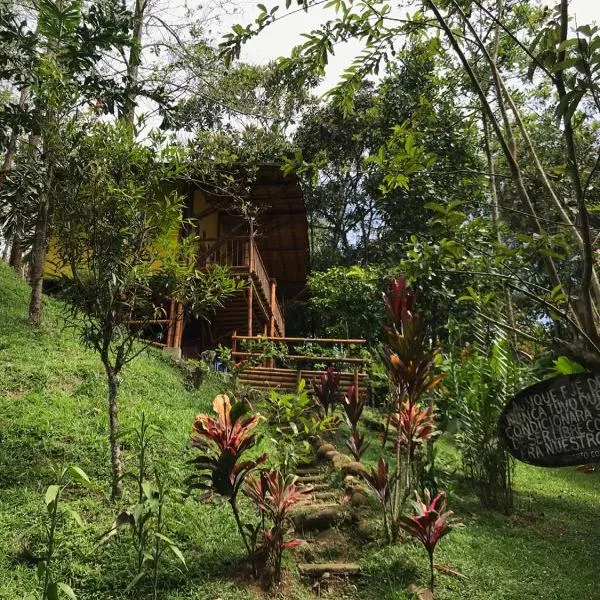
52 410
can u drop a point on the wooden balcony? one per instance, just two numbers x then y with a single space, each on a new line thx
262 308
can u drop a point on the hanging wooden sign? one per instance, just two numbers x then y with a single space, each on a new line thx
554 423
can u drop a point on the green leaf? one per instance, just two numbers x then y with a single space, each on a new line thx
149 490
177 552
52 592
565 366
51 495
76 517
80 476
135 581
67 590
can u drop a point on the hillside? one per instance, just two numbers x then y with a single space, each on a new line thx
52 412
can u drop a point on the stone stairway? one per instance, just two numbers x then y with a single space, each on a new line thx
323 525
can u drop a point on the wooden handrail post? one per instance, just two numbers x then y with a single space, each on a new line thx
179 326
250 301
234 345
273 300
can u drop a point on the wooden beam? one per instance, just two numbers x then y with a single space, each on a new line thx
250 308
272 302
299 339
325 359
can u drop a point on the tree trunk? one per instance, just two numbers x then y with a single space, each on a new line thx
6 251
16 255
14 137
133 64
38 258
115 446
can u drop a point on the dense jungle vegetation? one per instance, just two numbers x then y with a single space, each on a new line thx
451 186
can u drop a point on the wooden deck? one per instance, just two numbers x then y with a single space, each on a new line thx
269 376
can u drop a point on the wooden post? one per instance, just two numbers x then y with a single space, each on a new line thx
250 309
250 271
178 327
356 382
272 307
234 345
172 324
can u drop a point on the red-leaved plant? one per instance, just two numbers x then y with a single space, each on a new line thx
410 363
414 425
326 387
224 440
379 481
353 407
274 496
429 525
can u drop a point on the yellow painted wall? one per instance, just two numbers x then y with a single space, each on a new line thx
208 227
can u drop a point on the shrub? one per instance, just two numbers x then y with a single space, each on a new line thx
353 408
480 383
326 388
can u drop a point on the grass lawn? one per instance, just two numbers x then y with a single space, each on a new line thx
52 412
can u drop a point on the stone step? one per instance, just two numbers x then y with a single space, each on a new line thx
307 469
422 593
318 517
326 495
315 486
311 478
320 569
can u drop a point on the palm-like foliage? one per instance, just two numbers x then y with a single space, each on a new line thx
378 480
226 438
414 424
481 380
429 525
353 405
410 363
408 359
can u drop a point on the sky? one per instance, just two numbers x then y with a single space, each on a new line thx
280 38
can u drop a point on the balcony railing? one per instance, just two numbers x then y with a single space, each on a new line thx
241 255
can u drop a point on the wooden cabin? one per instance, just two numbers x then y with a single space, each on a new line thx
271 253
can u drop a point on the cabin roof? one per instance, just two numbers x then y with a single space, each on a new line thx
282 230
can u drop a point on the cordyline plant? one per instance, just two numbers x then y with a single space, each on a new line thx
326 387
224 440
429 525
379 481
353 407
411 367
275 495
